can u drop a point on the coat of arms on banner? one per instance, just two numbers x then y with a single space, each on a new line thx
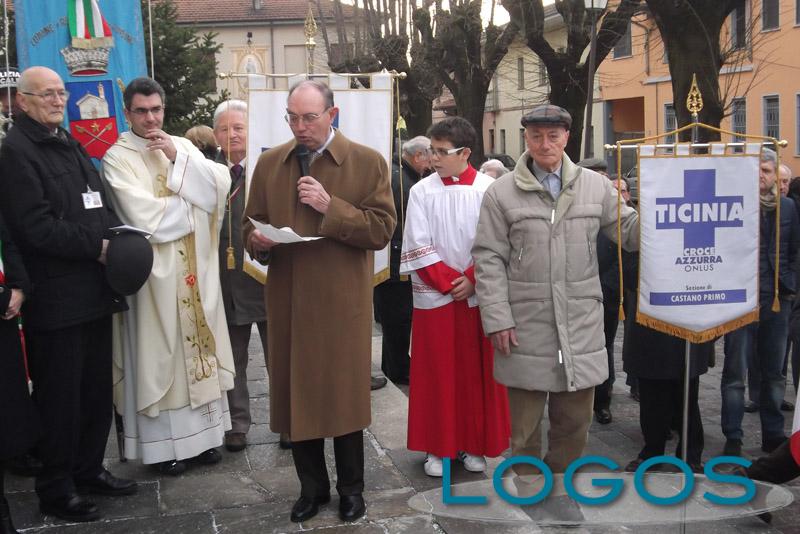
92 116
91 39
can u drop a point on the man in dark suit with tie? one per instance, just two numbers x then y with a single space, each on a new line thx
242 293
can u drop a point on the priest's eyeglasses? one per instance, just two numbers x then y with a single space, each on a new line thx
442 152
50 96
308 118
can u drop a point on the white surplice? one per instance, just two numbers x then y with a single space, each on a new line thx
172 355
432 233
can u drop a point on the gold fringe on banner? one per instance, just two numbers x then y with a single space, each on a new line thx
691 335
380 277
260 276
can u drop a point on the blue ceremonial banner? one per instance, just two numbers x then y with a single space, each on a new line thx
698 262
97 47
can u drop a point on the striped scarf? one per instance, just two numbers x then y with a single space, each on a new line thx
87 27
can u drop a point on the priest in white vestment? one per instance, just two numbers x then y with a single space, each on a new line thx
172 354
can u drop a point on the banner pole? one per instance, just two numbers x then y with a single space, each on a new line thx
150 30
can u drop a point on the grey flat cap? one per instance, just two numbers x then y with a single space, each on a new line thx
547 114
595 164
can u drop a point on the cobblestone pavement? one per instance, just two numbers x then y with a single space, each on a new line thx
252 491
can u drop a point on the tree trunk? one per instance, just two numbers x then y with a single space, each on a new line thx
567 92
693 48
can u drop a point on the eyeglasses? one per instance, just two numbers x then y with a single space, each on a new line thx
442 152
155 110
50 96
307 118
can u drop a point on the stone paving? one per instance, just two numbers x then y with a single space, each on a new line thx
252 491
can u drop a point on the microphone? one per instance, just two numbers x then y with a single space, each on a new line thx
302 154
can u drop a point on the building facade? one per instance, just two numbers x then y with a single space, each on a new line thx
259 36
759 85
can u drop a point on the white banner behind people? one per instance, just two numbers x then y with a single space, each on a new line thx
365 116
698 266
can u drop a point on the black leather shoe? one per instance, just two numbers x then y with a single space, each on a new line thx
71 507
172 468
603 416
787 406
770 444
305 508
377 382
351 507
235 441
107 484
750 407
285 443
209 457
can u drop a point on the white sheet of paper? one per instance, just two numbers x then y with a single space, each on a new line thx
280 235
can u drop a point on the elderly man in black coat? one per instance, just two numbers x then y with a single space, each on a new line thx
19 426
57 212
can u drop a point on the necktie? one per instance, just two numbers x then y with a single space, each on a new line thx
553 184
236 171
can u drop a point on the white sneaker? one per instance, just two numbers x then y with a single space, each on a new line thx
472 463
433 466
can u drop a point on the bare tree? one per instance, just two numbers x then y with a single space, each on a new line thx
691 31
568 69
465 55
383 38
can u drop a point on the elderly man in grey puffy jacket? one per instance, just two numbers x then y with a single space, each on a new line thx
539 291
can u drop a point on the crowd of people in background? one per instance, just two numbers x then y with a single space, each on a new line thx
490 314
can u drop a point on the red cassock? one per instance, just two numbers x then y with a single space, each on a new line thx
455 404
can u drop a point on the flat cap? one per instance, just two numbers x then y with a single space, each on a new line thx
595 164
547 114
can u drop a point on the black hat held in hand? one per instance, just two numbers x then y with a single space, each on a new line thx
129 260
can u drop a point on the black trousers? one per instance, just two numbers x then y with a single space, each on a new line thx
71 372
393 303
602 393
661 403
309 461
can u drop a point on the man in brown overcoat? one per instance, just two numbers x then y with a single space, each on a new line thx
319 293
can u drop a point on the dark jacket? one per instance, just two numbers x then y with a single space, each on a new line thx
790 244
43 177
242 294
19 427
647 353
407 178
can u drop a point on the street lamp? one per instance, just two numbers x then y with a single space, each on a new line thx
594 7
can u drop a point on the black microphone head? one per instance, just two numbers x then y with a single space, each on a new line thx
301 151
303 156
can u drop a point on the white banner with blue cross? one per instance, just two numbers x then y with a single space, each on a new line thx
699 221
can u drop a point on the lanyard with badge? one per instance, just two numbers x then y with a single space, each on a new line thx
91 199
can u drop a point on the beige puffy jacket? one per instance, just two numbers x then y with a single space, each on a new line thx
536 270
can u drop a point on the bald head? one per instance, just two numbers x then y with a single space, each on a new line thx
41 96
784 176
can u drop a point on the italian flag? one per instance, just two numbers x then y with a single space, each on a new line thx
87 27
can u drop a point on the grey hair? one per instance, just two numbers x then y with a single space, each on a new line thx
415 145
321 87
230 105
769 156
785 169
494 164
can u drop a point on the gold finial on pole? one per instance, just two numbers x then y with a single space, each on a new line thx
310 30
694 100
